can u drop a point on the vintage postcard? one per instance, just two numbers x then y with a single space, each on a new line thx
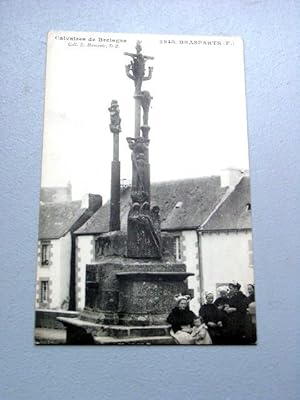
145 232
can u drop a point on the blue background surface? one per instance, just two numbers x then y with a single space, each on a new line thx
271 33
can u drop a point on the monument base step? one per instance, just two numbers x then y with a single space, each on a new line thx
161 340
44 336
81 331
46 318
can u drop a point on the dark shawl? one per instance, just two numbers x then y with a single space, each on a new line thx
210 313
221 301
177 318
236 321
250 299
238 301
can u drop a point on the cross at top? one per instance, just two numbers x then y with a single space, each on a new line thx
136 69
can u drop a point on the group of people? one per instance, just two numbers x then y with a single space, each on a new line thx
230 319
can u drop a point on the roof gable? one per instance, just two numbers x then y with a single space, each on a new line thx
56 219
234 212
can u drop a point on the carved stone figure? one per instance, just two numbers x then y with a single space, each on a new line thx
143 228
155 216
115 120
140 184
136 69
145 102
101 244
143 239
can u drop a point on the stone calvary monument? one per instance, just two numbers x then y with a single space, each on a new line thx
143 233
130 288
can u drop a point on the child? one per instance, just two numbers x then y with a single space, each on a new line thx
200 332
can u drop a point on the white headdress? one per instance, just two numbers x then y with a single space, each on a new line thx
223 289
179 297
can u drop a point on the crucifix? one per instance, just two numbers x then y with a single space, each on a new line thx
143 238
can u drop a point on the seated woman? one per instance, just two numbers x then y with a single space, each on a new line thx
212 318
181 320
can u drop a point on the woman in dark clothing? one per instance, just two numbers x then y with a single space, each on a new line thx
236 314
221 303
251 291
212 318
250 317
181 320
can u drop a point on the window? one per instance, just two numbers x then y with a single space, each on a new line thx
44 291
45 253
178 248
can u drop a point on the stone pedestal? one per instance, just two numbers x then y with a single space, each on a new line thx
129 292
127 299
146 298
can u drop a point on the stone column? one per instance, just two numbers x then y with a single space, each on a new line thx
137 125
143 226
115 128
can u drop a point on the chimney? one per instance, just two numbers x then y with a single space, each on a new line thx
91 201
230 177
69 191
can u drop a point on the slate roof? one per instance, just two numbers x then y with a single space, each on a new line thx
233 212
195 198
56 219
185 204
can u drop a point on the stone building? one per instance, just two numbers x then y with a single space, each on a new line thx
210 219
56 249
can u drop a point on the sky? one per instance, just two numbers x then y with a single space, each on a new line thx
197 116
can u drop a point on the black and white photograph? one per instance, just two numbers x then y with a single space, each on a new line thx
145 233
